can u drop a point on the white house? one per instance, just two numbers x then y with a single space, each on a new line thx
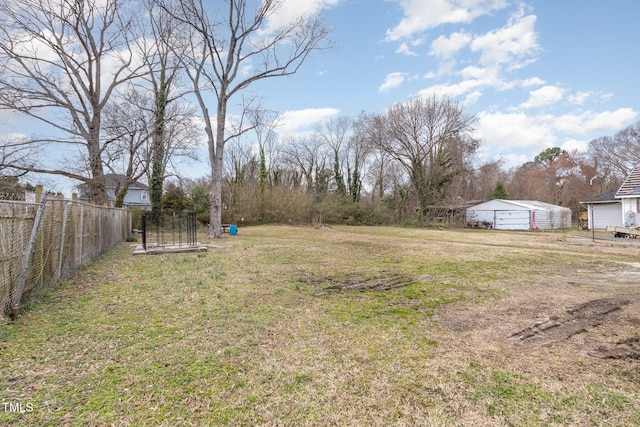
629 195
137 195
503 214
617 208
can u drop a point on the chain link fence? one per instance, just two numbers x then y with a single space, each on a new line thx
41 244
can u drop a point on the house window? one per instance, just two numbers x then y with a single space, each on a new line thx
144 195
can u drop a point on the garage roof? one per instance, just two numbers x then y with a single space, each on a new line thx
608 197
518 205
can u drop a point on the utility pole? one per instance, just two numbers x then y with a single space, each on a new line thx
592 222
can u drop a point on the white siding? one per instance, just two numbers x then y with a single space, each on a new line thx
520 215
605 215
512 220
481 216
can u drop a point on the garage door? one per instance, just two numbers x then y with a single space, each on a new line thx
512 220
605 215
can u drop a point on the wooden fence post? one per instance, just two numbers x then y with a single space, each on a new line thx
16 295
39 190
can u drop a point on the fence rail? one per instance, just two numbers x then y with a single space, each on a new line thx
69 235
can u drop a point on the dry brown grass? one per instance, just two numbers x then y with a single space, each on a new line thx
336 326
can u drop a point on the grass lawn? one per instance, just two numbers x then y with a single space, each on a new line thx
347 326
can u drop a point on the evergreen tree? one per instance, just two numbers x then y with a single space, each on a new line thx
500 192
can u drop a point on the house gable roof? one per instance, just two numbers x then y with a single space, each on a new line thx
113 180
608 197
631 186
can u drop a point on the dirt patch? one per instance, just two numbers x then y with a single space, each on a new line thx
557 323
576 320
627 349
371 284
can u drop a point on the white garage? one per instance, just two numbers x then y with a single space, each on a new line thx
604 210
503 214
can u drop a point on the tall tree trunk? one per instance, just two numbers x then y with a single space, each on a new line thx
341 189
216 155
98 184
121 192
215 199
422 189
158 155
262 183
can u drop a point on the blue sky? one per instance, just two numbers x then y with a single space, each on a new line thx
536 73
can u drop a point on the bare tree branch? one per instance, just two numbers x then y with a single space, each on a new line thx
222 48
60 63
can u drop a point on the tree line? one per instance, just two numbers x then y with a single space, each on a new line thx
363 170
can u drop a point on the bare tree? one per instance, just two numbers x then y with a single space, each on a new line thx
334 133
264 124
61 58
359 150
162 59
17 151
131 124
432 139
485 178
241 162
616 156
231 51
127 126
305 155
370 129
555 176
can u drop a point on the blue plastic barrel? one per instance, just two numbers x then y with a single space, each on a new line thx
233 230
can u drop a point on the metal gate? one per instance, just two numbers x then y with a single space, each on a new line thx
165 229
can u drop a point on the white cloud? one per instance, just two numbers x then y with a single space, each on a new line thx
506 48
488 75
473 97
575 144
589 121
290 10
392 81
11 137
514 44
580 97
301 120
473 79
503 132
533 81
518 137
546 95
446 47
451 90
512 160
404 49
605 96
447 67
421 15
